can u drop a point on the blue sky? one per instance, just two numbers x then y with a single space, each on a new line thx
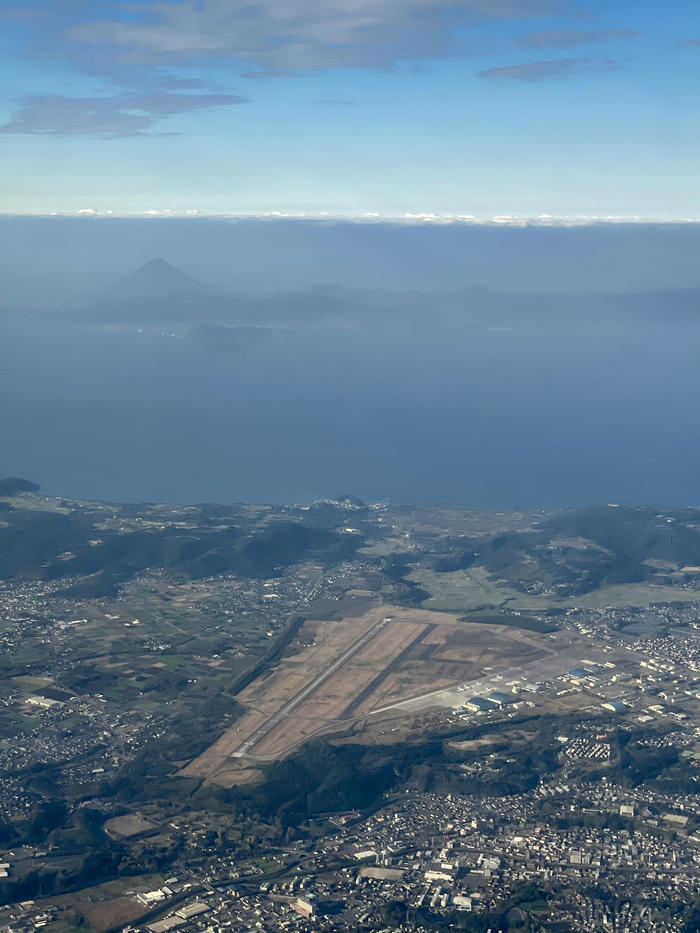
481 108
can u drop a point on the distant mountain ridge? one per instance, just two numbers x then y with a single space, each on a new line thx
158 293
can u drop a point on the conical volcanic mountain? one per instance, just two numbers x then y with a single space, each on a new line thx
158 293
158 279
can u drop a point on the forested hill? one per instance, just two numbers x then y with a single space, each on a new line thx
96 546
53 539
580 550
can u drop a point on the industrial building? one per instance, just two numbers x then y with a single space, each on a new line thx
479 705
500 699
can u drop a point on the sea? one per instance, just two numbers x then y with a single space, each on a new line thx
489 418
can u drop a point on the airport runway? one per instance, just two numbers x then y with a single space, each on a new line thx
289 707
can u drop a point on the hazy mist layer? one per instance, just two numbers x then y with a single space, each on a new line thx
498 403
51 260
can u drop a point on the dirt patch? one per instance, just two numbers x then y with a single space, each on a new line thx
132 824
107 914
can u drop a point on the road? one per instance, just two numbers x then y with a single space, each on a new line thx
289 707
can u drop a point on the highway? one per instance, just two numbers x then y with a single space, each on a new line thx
289 707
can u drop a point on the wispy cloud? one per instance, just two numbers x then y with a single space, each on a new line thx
689 44
162 104
270 75
126 115
571 38
20 14
539 71
175 83
294 35
336 102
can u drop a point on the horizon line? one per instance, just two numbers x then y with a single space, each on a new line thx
370 217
